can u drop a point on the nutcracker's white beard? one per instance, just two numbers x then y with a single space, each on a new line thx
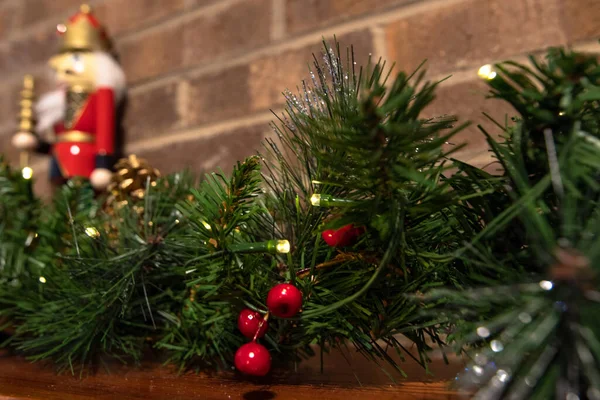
51 107
109 74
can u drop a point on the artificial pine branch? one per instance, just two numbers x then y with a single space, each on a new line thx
364 142
96 296
80 283
533 331
179 273
221 280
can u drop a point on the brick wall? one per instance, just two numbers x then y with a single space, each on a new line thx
204 74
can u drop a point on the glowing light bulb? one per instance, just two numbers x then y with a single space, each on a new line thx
502 375
496 346
546 285
315 200
283 246
92 232
483 332
27 173
42 279
487 72
206 225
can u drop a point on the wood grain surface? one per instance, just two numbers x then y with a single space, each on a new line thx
20 379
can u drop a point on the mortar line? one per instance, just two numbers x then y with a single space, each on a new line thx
279 46
380 43
278 20
202 131
176 18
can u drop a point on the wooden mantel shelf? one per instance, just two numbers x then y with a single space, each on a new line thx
20 379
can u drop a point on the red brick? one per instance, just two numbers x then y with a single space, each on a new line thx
206 154
219 96
19 55
121 16
152 112
7 19
473 32
303 15
270 76
9 101
246 89
44 81
34 11
242 26
152 53
467 100
580 19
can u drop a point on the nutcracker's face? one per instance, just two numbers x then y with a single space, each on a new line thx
74 69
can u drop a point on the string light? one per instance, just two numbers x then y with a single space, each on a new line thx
283 246
487 72
272 246
546 285
325 200
315 200
42 279
483 332
27 173
496 346
92 232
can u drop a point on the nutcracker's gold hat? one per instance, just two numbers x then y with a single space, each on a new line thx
83 32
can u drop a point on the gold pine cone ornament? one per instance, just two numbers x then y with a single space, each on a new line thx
132 177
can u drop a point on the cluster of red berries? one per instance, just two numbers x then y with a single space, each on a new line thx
283 301
342 237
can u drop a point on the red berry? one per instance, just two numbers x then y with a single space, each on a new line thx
345 236
253 359
249 323
284 300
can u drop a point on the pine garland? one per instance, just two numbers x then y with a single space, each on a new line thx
501 265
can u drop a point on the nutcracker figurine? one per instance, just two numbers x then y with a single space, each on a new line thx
80 113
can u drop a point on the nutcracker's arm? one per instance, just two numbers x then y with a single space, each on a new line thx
43 147
105 137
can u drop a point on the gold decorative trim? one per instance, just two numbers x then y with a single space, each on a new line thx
75 136
77 102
